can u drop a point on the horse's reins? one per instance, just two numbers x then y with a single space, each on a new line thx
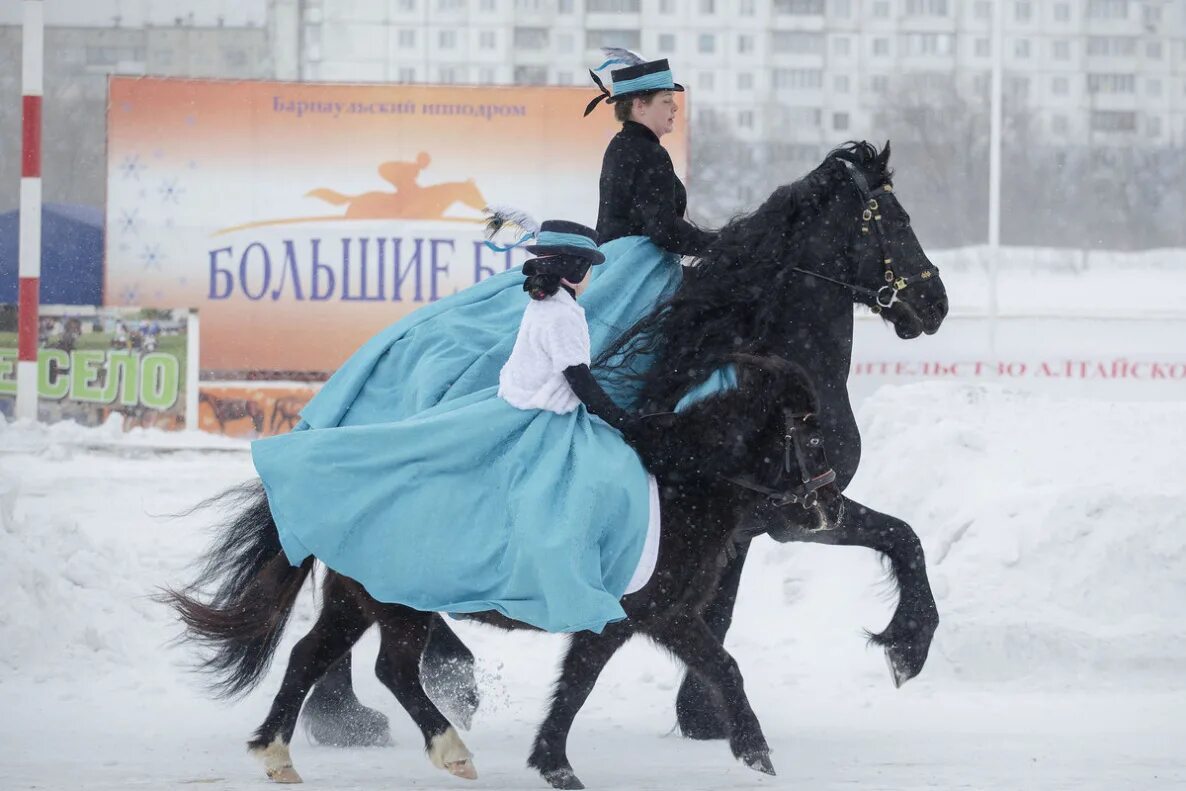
806 492
887 295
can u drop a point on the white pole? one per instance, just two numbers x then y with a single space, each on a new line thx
994 170
193 370
29 244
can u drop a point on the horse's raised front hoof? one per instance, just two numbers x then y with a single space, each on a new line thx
563 778
463 768
452 686
350 724
903 662
284 774
760 762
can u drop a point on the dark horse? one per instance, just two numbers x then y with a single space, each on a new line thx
780 281
751 455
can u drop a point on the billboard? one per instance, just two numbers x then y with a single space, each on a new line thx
93 362
302 218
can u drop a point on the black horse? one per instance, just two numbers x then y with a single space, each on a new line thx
749 455
780 281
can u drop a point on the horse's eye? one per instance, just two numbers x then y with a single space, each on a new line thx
814 442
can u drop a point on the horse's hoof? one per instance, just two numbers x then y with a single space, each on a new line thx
760 762
464 769
563 778
901 668
284 774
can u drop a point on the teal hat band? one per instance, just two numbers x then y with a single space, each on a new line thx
554 239
659 81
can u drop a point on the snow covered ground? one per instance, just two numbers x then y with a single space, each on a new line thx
1055 531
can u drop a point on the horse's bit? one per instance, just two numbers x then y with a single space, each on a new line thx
806 492
887 295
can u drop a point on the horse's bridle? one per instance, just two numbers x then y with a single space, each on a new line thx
805 492
887 295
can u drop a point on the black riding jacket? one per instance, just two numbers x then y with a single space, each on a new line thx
641 195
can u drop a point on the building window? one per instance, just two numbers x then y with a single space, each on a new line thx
596 39
799 7
879 84
842 8
531 75
1062 12
881 9
745 119
841 46
706 81
747 7
745 81
450 5
611 6
1107 9
1153 87
406 5
666 42
447 39
708 6
446 75
926 7
486 76
1019 88
840 121
1023 10
980 85
706 44
1062 50
1154 127
487 39
1111 83
1059 125
406 74
564 78
666 6
531 38
566 6
881 46
794 79
407 39
925 44
1152 15
796 42
983 48
983 9
1061 86
1021 48
1112 46
1113 121
489 7
745 45
1153 50
840 83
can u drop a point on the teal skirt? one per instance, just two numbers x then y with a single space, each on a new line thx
471 505
456 346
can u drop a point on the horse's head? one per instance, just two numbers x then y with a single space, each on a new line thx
885 267
761 439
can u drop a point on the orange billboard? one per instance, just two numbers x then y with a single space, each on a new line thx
301 218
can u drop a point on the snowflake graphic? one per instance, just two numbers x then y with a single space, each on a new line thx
151 257
130 294
129 221
170 191
131 167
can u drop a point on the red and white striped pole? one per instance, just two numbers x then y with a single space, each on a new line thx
32 61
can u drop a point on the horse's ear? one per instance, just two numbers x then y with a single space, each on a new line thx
883 157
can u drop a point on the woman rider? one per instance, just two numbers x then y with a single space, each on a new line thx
457 346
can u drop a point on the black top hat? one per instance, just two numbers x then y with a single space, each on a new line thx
561 237
634 80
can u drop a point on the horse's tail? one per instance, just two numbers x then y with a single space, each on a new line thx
329 196
254 588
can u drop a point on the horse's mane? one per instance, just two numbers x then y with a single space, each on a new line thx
733 299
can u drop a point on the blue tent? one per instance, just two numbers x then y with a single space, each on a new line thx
71 255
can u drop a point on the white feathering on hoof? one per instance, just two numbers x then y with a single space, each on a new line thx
628 57
448 752
277 762
499 217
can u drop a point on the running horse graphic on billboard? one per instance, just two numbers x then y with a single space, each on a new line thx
408 201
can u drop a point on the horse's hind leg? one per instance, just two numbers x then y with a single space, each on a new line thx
690 639
334 716
404 634
338 627
586 657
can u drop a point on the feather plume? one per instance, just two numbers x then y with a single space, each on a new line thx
500 217
620 56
